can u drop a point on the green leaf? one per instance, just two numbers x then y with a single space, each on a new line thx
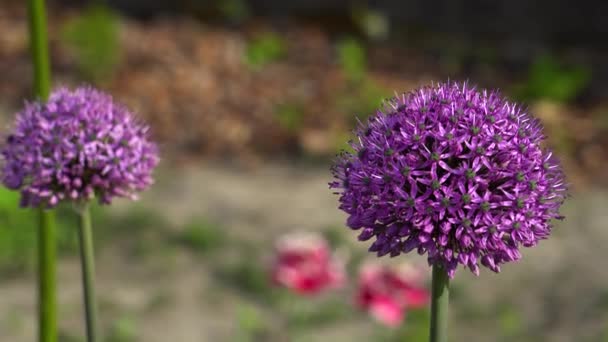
352 59
93 36
265 49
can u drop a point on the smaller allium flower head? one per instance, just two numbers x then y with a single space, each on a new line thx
388 292
304 264
78 145
453 172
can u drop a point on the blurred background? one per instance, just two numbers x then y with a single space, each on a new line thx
250 100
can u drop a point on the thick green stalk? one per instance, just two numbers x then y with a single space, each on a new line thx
39 48
87 260
439 305
47 308
47 302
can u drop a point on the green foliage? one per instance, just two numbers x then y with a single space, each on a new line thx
341 141
234 10
201 236
362 96
373 96
247 276
510 322
18 234
352 59
486 54
93 36
335 236
132 223
374 24
264 49
290 117
548 79
143 233
358 104
604 333
122 330
67 336
602 120
161 299
415 328
251 326
304 314
14 321
355 260
363 100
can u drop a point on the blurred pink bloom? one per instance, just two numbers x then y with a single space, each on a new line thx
305 264
387 292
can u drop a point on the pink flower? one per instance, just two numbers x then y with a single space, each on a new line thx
305 265
387 292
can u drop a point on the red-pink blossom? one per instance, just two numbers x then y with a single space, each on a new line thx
304 264
388 292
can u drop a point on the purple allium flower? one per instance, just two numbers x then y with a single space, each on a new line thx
453 172
78 145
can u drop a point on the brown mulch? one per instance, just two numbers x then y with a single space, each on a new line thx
190 81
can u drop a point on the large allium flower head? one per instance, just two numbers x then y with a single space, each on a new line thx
453 172
388 292
78 145
304 263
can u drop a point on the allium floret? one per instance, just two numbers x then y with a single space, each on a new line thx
78 145
453 172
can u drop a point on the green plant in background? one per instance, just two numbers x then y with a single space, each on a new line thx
352 59
264 49
302 314
361 101
249 278
142 231
93 36
201 236
67 336
549 79
159 301
373 23
289 116
415 328
362 95
133 222
18 235
251 326
342 138
486 54
604 333
372 97
14 321
123 329
335 236
510 322
234 10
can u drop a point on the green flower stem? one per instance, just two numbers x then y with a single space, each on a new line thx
39 48
47 302
439 305
87 260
